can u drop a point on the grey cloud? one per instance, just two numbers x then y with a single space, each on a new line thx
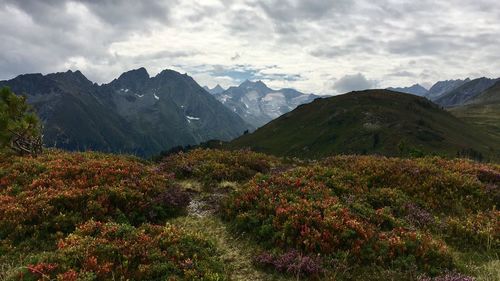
165 54
289 19
45 36
355 82
423 44
403 73
397 40
200 12
245 21
117 13
357 45
291 10
235 57
131 14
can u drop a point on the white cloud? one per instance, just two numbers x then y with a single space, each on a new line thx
355 82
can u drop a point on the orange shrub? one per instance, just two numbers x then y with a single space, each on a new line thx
108 251
48 196
211 165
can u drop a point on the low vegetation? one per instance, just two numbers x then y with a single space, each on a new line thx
370 211
46 197
109 251
210 165
93 216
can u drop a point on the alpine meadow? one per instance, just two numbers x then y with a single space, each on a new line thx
250 140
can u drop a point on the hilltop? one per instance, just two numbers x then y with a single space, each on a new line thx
369 122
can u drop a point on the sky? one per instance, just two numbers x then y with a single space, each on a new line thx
315 46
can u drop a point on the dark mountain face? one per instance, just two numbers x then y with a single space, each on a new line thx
416 89
257 104
489 96
368 122
441 88
133 114
466 92
133 80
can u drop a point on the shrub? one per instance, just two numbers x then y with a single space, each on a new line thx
45 197
377 210
109 251
293 210
450 276
449 186
210 165
481 229
291 262
417 216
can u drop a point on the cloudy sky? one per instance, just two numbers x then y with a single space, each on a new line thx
320 46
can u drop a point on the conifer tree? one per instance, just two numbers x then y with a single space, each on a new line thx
20 128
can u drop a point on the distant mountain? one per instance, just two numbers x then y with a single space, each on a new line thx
257 104
483 110
134 113
489 96
416 89
216 90
368 122
441 88
466 92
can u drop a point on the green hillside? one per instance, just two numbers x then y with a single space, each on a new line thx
483 111
369 122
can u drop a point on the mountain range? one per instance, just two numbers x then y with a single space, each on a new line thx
143 115
465 93
258 104
416 89
443 87
451 93
135 113
483 110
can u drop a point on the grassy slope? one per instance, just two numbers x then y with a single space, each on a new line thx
483 111
373 122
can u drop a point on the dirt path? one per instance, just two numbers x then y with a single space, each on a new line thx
236 252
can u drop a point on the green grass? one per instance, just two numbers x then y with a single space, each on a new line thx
483 111
236 251
486 116
485 266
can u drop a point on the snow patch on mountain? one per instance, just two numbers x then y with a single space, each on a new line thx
192 118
